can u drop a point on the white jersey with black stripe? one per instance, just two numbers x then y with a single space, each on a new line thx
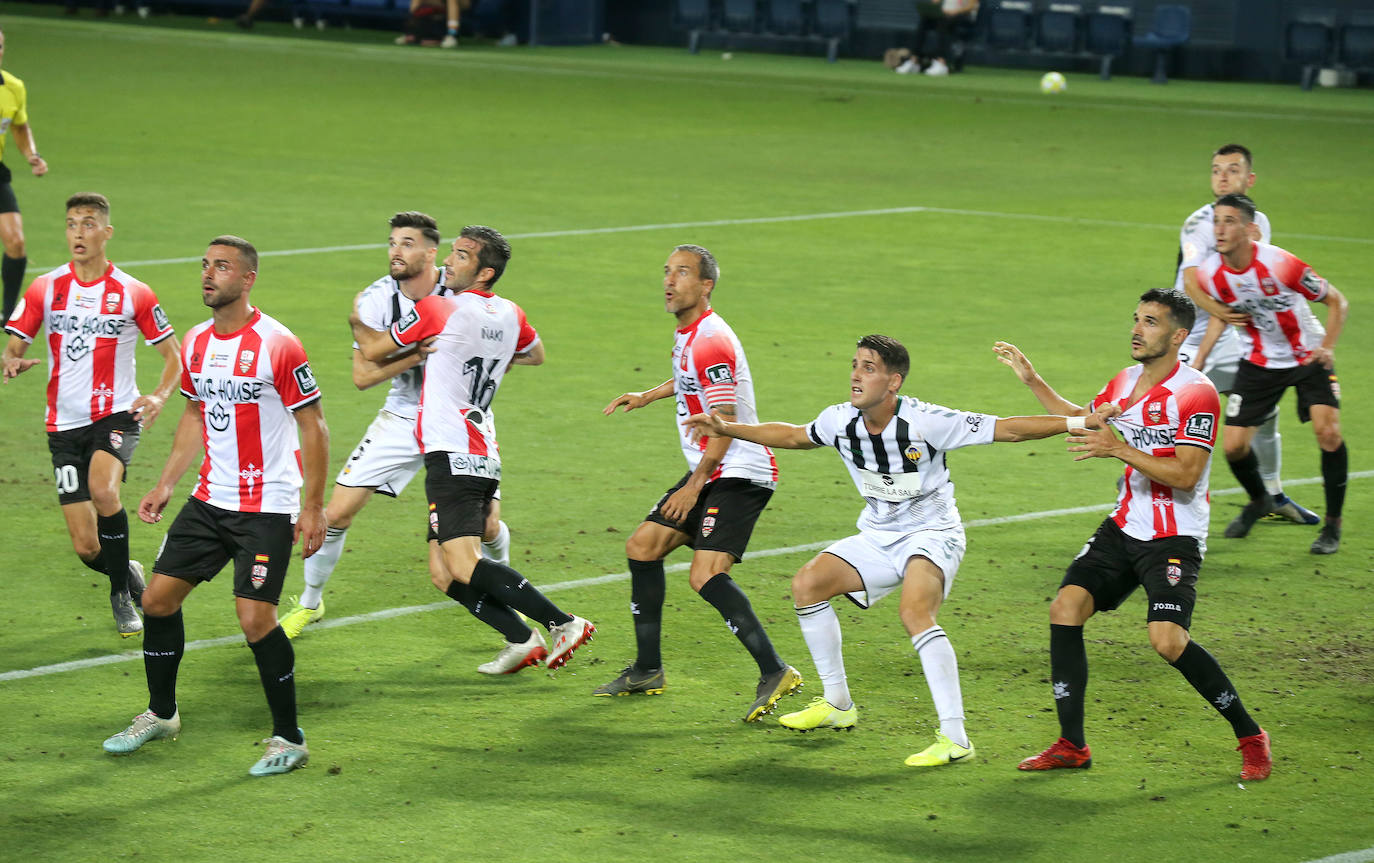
901 472
382 304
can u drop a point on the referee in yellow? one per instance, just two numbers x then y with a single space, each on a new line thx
14 118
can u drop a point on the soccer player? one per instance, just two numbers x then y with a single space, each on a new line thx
477 335
714 506
910 536
94 313
14 117
253 416
388 456
1284 346
1215 349
1155 538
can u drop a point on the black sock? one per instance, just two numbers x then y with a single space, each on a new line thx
164 640
647 590
1069 675
490 612
277 671
1202 670
113 531
1247 472
722 592
12 276
1335 472
96 563
513 590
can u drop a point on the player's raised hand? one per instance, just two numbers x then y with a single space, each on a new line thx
146 409
153 503
1010 355
630 401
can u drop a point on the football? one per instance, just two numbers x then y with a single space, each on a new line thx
1052 82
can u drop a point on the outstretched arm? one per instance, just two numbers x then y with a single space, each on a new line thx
1011 356
1182 470
780 435
633 401
187 443
15 363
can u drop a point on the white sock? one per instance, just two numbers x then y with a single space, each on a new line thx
1268 447
942 676
820 627
498 549
320 565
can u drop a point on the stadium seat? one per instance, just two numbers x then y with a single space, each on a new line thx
1172 27
1357 40
1308 38
693 16
739 16
833 23
785 17
1058 28
1009 25
1108 34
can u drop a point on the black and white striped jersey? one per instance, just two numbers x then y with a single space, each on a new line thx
901 472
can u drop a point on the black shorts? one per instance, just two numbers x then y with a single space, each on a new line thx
723 518
204 538
8 202
116 434
458 503
1258 390
1112 565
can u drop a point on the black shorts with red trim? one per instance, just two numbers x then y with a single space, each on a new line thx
116 434
1258 389
724 516
1112 565
204 538
458 503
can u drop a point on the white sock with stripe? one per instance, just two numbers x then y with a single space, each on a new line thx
320 566
942 676
820 627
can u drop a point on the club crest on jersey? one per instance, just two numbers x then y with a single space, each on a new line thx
1200 426
116 439
912 453
708 524
1154 413
1173 572
1269 287
259 575
245 361
112 302
489 307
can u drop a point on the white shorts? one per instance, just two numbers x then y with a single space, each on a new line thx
881 559
387 458
1222 361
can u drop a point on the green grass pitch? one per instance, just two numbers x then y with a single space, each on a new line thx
840 200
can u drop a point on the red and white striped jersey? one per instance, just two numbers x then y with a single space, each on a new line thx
248 383
477 334
92 335
1273 291
709 368
1181 410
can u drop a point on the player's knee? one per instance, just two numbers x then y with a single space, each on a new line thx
1070 608
14 244
804 588
106 499
1329 437
917 618
638 548
86 547
439 577
158 603
1169 644
1236 450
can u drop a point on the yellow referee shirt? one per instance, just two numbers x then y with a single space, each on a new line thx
13 106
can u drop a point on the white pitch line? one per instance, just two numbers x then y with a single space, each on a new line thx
1364 855
756 220
556 587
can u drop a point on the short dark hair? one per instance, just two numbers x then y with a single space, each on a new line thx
890 351
494 251
247 254
93 200
423 222
1240 202
1181 309
1234 150
707 268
